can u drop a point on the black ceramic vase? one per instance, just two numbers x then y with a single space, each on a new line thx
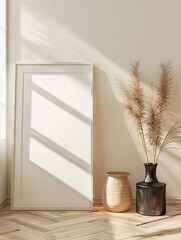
151 194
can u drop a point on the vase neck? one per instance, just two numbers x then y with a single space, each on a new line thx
150 173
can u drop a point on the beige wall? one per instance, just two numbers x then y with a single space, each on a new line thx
3 140
3 170
107 33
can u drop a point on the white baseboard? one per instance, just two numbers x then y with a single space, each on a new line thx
2 204
173 201
98 201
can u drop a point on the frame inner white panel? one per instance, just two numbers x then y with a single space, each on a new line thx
53 137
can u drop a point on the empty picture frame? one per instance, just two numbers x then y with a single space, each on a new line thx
52 166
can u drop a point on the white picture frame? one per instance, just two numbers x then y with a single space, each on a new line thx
53 154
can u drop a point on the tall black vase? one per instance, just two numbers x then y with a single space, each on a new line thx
151 194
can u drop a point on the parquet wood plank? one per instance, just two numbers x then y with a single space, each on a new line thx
89 225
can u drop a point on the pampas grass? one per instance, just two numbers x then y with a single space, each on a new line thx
148 116
133 100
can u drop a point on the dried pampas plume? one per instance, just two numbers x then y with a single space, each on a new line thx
148 117
133 101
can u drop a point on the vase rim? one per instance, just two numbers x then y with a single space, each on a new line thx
117 173
150 164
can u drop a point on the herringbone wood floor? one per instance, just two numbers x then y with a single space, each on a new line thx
89 225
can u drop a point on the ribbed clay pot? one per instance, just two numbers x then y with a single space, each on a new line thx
117 195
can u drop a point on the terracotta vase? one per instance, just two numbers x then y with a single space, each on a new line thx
117 195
